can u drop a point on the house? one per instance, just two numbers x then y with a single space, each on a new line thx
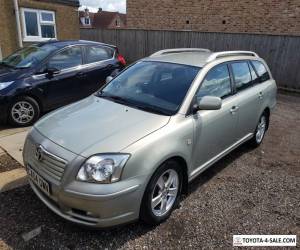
102 19
30 21
263 17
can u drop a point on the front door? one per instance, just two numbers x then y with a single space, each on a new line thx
67 85
215 130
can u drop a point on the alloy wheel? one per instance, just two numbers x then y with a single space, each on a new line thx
165 192
22 112
261 129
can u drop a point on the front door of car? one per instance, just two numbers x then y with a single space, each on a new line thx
215 130
99 64
65 85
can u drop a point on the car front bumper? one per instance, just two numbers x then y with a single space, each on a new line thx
88 204
100 211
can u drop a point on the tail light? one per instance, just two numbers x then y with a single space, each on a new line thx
121 59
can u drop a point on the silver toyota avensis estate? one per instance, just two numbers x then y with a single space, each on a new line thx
130 150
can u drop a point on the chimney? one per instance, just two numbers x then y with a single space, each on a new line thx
99 10
86 12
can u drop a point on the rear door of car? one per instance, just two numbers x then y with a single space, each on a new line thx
99 63
66 85
247 91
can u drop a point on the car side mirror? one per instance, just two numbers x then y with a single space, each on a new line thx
52 71
108 79
208 103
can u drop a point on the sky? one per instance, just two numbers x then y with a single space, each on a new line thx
108 5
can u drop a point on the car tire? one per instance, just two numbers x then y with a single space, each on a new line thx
23 111
161 197
260 130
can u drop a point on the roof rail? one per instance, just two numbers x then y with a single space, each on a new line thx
179 50
217 55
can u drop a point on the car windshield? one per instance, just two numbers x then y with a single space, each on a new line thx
156 87
29 56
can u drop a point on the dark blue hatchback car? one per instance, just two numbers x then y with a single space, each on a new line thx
48 75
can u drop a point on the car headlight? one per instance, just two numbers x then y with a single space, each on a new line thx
4 85
103 168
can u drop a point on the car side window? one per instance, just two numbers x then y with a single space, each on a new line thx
216 83
68 58
98 54
241 75
261 70
255 78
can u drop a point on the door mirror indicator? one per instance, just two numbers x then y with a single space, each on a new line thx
208 103
108 79
52 71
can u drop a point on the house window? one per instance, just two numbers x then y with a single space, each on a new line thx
117 23
87 21
38 25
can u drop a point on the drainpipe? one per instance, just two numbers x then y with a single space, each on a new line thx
17 13
0 54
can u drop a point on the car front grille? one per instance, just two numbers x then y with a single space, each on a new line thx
46 162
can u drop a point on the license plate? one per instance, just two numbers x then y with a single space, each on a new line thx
38 180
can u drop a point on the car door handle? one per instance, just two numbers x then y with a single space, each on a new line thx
234 109
260 95
109 66
81 75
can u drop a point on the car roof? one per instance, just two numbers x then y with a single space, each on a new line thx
199 57
64 43
192 58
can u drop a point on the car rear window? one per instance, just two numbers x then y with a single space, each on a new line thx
98 54
261 70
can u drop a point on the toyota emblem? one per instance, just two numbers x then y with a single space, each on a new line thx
39 153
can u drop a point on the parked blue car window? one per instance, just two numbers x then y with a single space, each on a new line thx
29 56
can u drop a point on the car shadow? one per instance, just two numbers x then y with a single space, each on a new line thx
22 212
218 167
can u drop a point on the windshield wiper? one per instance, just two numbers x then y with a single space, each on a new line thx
133 104
112 97
152 109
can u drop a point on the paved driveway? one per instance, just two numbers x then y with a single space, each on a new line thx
12 141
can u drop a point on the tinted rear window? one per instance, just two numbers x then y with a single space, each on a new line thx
98 54
261 70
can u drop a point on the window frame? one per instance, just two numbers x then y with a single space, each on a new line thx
266 68
40 22
194 99
86 47
233 80
46 63
87 19
230 78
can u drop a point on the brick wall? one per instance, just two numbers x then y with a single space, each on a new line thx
238 16
67 26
